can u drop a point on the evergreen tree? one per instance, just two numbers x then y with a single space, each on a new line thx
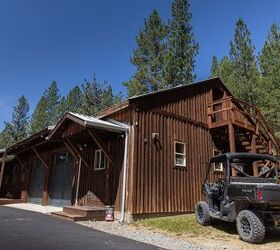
148 57
48 110
53 99
91 102
269 61
223 69
7 136
215 67
107 97
20 119
181 46
72 102
39 119
244 64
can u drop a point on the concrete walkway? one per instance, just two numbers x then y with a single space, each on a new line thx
35 208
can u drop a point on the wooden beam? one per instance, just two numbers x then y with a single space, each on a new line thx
40 158
21 163
232 146
269 147
100 144
2 169
77 151
231 138
254 150
76 156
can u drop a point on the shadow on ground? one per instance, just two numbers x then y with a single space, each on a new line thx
272 235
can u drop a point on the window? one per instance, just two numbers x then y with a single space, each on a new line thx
99 160
218 166
180 154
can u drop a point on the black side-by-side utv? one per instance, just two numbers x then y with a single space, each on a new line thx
247 191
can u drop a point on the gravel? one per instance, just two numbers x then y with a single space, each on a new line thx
144 235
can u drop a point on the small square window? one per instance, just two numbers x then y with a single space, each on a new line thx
180 154
99 160
218 166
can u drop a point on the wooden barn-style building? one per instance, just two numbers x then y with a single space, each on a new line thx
144 156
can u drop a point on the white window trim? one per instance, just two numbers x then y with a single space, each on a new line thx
218 167
98 151
182 154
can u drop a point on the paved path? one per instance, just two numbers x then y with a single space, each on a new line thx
25 230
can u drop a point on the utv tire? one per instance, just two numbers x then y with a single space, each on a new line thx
250 227
202 213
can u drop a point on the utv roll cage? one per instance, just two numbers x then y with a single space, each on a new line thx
229 158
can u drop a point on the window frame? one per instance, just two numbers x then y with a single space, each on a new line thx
99 168
218 167
180 154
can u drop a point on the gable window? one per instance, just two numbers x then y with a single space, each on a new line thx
218 166
179 154
99 160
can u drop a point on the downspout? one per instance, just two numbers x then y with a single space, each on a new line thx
124 178
78 182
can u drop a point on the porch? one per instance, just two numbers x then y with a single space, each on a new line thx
243 126
98 151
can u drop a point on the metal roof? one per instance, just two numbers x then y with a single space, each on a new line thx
88 121
191 84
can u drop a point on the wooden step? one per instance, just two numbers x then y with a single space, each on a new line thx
68 216
82 213
6 201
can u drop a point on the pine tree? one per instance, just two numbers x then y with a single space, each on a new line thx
107 96
181 46
48 110
91 102
225 70
215 67
244 64
7 136
148 57
72 102
269 61
53 97
39 119
20 119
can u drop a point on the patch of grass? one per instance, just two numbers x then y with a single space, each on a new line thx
187 225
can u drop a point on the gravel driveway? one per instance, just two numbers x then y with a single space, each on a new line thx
143 235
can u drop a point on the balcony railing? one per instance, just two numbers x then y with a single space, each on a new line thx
235 111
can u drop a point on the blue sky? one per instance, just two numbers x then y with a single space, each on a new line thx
68 41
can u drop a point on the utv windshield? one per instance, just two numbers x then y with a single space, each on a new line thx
254 170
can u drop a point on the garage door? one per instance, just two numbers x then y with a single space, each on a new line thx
36 183
61 180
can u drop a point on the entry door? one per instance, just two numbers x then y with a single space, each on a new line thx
61 180
36 183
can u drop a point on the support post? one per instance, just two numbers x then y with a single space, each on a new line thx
232 146
78 182
270 147
231 137
2 169
254 150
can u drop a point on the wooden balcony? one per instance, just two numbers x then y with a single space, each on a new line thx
241 114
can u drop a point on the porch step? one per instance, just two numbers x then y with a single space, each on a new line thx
5 201
81 213
68 216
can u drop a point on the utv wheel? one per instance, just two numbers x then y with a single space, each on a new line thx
250 227
202 213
